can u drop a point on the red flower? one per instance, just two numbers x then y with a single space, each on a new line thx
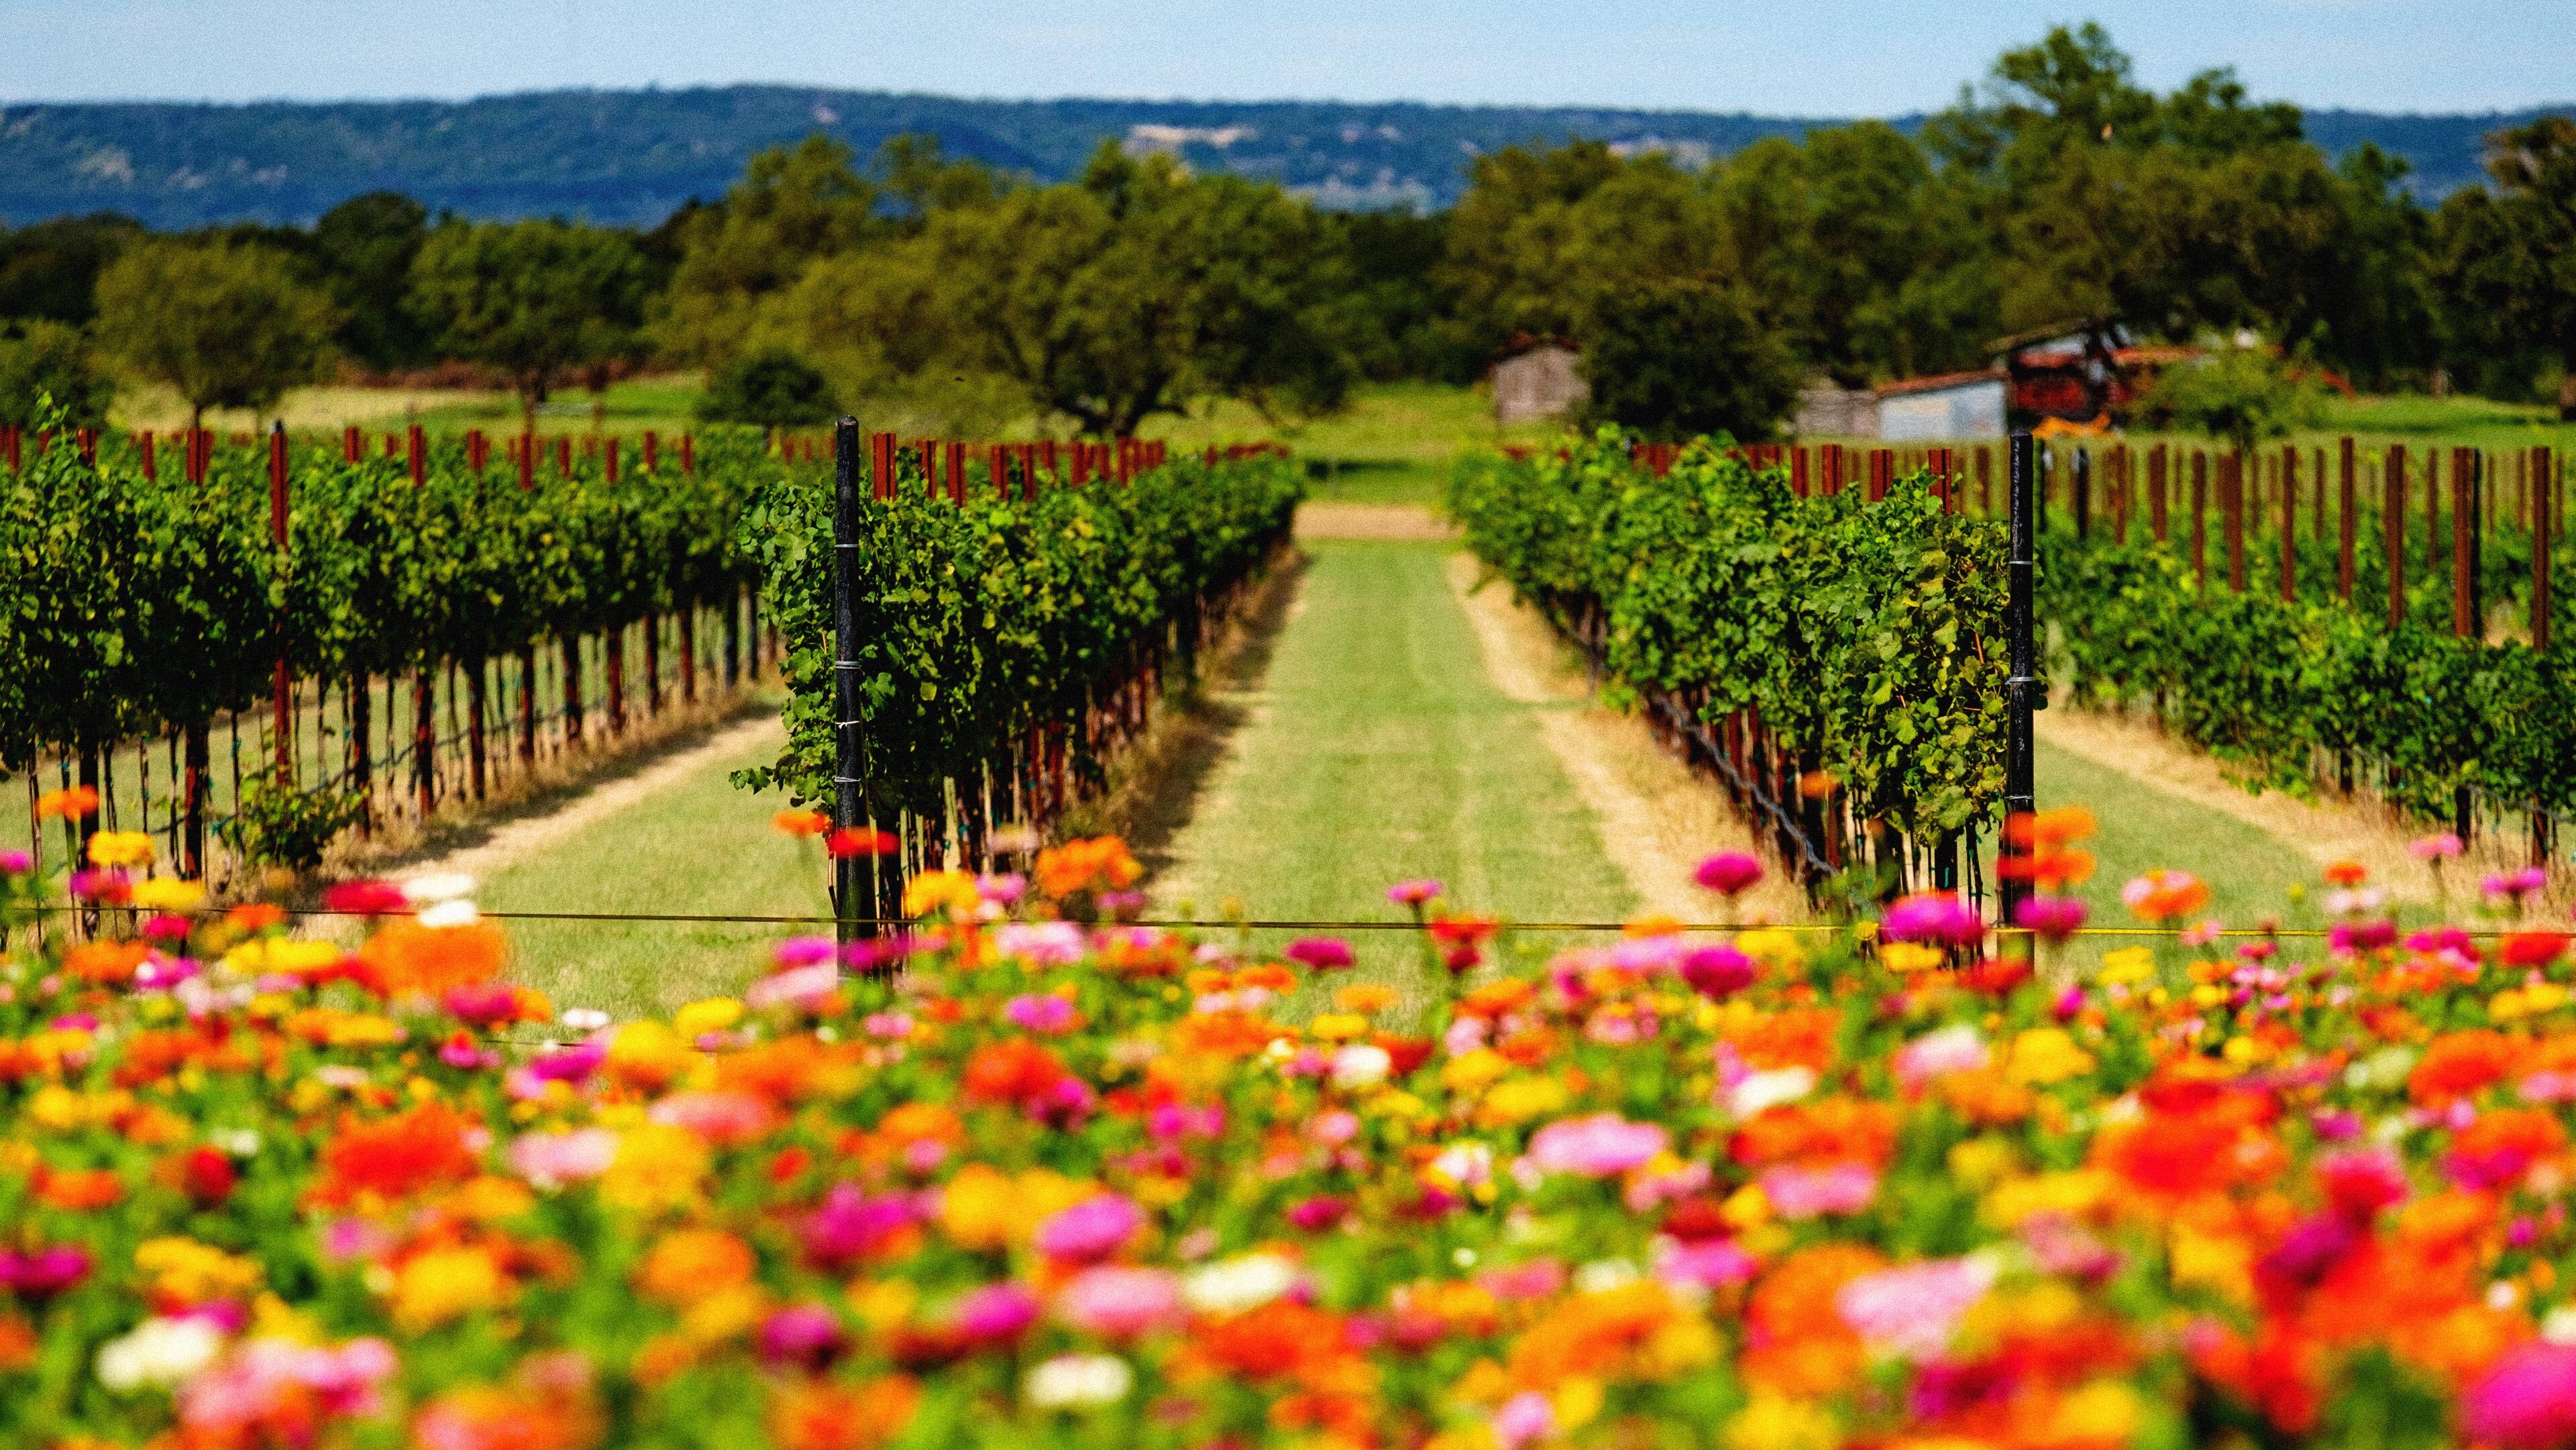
852 841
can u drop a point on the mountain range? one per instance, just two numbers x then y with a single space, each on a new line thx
630 157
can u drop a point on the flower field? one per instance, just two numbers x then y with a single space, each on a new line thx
1023 1176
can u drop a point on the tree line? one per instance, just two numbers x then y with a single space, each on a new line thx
2056 193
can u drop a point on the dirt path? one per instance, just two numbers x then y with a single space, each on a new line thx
1658 818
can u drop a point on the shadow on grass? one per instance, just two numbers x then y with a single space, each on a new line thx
1165 782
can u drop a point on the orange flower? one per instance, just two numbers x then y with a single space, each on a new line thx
692 1263
1097 863
801 823
2162 895
819 1415
2457 1064
1826 1131
1796 1341
405 958
106 963
2346 873
71 803
1013 1070
80 1190
395 1157
1799 1037
252 917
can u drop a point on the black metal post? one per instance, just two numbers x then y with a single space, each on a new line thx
2083 493
850 875
2021 690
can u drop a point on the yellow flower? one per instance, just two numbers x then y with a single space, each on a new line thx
1474 1071
984 1208
2043 1055
950 891
658 1165
1366 997
1745 1207
724 1314
881 1304
1339 1026
2074 1193
446 1284
1772 947
692 1263
1777 1422
276 955
1519 1100
1980 1162
2104 1412
715 1014
169 893
2221 1261
648 1054
1576 1402
2128 964
193 1273
120 848
487 1199
1909 957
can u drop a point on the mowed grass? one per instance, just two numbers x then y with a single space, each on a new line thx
2251 873
700 847
1378 751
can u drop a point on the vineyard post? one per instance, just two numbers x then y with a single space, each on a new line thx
2465 614
2083 493
2156 492
2200 518
848 804
2347 482
2231 497
283 703
1985 480
2289 523
2020 798
2544 537
2392 522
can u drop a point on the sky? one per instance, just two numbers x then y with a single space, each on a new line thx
1773 57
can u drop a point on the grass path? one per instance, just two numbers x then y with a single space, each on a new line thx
1374 749
677 838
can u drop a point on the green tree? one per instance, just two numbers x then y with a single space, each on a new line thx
225 324
532 300
1680 358
49 362
770 388
2507 259
50 269
2240 394
794 206
364 249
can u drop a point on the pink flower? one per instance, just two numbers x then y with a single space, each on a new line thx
551 1160
1120 1303
2054 918
1090 1230
850 1224
1040 944
806 1334
803 951
992 1313
43 1273
1314 1215
2362 936
1595 1147
721 1118
804 988
1320 953
1524 1419
2515 884
1718 971
1800 1193
1936 917
1412 893
571 1064
364 898
2437 848
2525 1401
1728 873
1913 1310
1956 1048
1709 1263
1040 1012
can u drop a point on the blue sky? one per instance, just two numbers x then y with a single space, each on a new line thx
1874 57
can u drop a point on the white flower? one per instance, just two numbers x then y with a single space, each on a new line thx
436 887
1079 1381
1230 1286
456 911
1603 1275
237 1142
1759 1090
1361 1065
2558 1326
584 1019
158 1353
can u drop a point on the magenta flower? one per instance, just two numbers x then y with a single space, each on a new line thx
16 863
43 1273
806 1334
1040 1012
1320 953
2515 885
1937 918
1120 1303
1412 893
2053 918
1597 1146
2362 936
993 1313
850 1224
1718 971
2526 1401
1728 873
1315 1215
570 1064
1090 1230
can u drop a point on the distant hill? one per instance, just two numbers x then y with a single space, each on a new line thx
631 157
